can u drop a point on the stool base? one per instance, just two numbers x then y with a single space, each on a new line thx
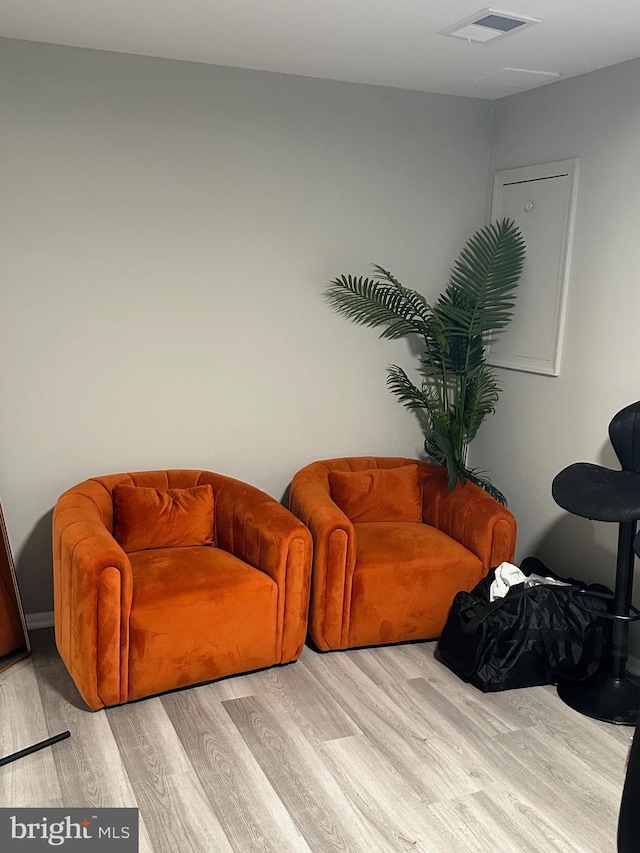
603 697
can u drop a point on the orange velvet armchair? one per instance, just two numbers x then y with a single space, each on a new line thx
392 547
188 577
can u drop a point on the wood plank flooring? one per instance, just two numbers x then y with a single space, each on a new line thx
370 751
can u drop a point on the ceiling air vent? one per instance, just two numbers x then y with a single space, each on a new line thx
489 25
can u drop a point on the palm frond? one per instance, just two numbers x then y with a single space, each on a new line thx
417 301
374 303
428 397
464 354
480 479
481 397
481 292
440 448
364 300
409 394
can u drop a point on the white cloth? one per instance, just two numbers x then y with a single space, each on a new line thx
506 576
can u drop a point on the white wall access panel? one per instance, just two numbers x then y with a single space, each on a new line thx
541 200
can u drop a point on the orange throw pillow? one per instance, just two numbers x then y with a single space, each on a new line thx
378 494
162 518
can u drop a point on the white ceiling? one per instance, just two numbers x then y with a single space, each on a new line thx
384 42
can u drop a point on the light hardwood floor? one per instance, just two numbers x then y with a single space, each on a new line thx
370 751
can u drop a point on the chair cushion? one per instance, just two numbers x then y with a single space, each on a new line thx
405 578
162 518
198 613
378 494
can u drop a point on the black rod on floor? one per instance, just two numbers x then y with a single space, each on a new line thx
36 746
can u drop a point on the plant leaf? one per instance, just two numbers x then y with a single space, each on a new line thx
481 292
372 302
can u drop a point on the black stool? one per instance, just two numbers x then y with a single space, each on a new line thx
601 494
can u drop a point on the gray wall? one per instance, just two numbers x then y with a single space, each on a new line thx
545 423
168 229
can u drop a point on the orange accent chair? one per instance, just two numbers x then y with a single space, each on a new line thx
391 547
165 579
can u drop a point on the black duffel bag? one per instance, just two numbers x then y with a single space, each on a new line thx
530 637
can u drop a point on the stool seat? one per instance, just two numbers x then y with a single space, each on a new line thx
598 493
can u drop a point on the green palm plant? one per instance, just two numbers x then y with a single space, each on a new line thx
458 389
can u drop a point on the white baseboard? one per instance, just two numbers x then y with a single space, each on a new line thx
39 620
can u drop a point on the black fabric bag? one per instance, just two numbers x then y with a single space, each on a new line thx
530 637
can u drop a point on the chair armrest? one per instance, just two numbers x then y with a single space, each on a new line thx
93 588
334 559
254 527
474 519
